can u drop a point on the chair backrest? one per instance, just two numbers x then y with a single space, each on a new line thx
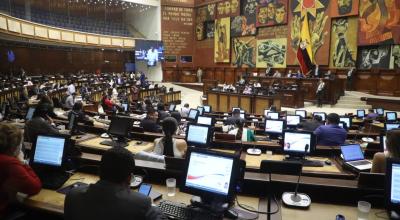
281 167
371 180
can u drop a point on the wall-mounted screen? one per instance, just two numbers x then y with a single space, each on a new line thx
149 51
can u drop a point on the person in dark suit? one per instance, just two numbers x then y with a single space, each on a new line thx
77 109
149 123
161 112
235 118
111 196
311 125
41 123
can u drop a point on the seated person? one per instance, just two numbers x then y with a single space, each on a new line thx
78 111
161 112
111 196
168 145
46 99
289 75
177 116
371 115
41 123
235 118
331 134
392 151
311 125
277 74
15 174
185 110
149 123
247 90
257 85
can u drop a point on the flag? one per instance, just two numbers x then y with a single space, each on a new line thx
304 52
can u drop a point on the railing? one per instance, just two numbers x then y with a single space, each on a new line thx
23 28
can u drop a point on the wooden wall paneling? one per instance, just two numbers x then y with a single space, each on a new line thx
308 89
387 83
212 100
245 103
219 75
261 104
230 75
233 101
365 81
209 73
223 103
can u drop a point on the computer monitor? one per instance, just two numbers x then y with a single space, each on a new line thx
346 120
390 126
120 127
380 111
360 113
171 108
302 113
322 114
200 109
243 115
49 151
298 142
210 175
266 112
391 116
207 108
125 106
29 113
393 185
343 125
193 114
198 135
293 120
273 115
274 127
205 120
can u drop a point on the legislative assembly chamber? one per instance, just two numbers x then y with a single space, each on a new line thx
199 109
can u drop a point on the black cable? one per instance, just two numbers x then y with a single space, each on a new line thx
251 209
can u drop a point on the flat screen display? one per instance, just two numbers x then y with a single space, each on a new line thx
209 173
301 113
296 142
395 187
292 120
274 126
49 150
152 52
204 120
352 152
197 134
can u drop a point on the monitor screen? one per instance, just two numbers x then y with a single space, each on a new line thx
171 108
342 124
274 126
29 114
266 111
210 173
197 135
193 114
273 115
391 116
322 114
297 142
361 113
352 152
242 115
120 126
395 184
292 120
379 111
207 108
201 109
346 120
204 120
125 106
390 126
150 51
49 150
301 113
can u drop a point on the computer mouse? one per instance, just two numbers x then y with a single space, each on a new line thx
139 142
328 162
231 214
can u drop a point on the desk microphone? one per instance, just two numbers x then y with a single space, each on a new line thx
295 199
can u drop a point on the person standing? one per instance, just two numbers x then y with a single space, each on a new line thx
320 92
199 75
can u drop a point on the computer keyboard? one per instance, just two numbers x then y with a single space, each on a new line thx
360 162
312 163
53 180
181 211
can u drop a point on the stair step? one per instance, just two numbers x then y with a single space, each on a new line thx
351 102
353 106
350 98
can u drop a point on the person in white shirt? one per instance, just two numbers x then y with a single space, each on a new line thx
277 74
114 92
185 110
70 101
71 88
152 57
320 92
257 85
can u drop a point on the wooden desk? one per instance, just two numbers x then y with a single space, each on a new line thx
94 144
225 101
53 202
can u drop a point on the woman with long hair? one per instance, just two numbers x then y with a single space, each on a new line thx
168 145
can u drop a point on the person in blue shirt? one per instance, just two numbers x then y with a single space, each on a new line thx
331 134
371 115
